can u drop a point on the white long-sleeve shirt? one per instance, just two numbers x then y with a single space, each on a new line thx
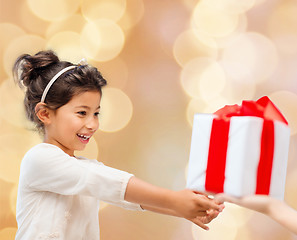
58 195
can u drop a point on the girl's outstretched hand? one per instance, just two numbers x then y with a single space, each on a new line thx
197 207
188 204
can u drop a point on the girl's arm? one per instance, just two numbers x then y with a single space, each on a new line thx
185 203
274 208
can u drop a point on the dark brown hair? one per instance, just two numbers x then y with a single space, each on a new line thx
34 72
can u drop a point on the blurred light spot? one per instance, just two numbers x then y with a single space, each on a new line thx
13 198
8 233
213 22
230 6
221 228
102 40
194 106
215 104
169 25
225 226
191 74
238 91
74 23
251 57
116 110
90 151
212 82
282 26
30 22
10 168
222 42
108 9
53 10
238 72
8 33
11 104
66 45
188 47
286 102
30 44
133 14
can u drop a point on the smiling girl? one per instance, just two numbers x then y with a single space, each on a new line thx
59 193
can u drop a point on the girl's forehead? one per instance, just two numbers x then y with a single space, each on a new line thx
90 98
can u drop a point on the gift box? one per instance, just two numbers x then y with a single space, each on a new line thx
240 150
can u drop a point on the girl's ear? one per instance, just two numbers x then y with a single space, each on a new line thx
43 113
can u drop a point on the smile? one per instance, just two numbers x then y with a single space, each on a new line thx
84 137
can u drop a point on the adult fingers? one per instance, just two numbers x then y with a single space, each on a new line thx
207 203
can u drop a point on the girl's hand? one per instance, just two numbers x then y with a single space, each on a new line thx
196 207
201 221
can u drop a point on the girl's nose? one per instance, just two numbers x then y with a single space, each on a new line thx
92 124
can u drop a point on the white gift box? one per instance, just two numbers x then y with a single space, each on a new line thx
239 175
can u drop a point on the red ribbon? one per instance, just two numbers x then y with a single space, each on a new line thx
215 171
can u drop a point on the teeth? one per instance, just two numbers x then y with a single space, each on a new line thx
83 136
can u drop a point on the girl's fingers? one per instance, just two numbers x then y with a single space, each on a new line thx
200 224
201 213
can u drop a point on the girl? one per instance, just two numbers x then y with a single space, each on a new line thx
59 193
276 209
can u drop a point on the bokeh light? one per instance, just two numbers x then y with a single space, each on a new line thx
29 44
102 40
187 47
53 10
251 57
282 26
213 22
74 23
194 106
230 6
116 110
103 9
29 21
11 103
212 81
225 226
10 168
8 32
67 44
287 102
192 73
164 61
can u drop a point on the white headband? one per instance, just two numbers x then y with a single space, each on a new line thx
51 82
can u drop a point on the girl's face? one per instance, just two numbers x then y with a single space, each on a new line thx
72 125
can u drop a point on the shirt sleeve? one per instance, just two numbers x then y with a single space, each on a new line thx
47 168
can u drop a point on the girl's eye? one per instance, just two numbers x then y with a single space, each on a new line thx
82 113
96 114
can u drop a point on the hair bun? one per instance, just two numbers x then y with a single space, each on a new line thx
27 67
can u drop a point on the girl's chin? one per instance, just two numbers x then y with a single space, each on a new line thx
80 148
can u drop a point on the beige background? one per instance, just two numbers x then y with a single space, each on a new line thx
164 60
